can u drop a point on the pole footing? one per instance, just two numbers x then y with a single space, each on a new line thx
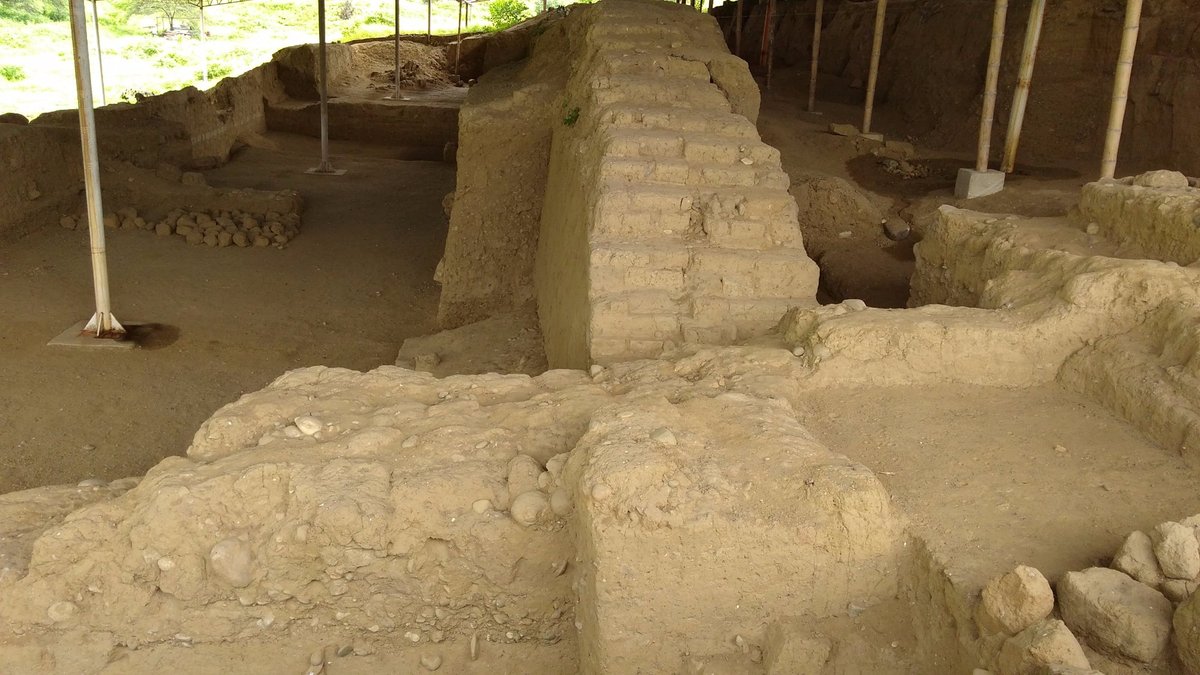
83 334
325 170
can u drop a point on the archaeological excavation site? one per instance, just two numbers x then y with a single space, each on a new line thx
775 337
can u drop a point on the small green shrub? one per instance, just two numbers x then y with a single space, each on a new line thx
505 13
12 73
215 71
379 18
571 117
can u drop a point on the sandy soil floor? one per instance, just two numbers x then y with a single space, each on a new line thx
346 292
993 477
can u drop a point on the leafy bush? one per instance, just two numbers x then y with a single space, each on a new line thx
12 73
505 13
215 71
379 18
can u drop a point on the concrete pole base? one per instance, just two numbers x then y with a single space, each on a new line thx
872 136
78 336
972 183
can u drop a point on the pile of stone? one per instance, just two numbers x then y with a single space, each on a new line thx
216 228
1126 614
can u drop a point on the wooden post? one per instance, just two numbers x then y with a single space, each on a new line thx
873 73
988 116
1033 33
818 19
1120 95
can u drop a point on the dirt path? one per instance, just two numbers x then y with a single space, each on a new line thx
346 292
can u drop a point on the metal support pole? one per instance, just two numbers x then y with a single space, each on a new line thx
458 44
203 47
99 52
737 29
1120 95
818 19
988 116
1033 33
873 72
326 166
467 14
428 22
103 324
397 40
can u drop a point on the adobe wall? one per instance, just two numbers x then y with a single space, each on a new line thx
667 220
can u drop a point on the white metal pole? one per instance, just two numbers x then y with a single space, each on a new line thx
873 73
103 323
1120 95
324 66
1033 33
428 22
203 47
99 52
818 19
988 117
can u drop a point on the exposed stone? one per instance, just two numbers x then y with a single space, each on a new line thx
1116 613
527 508
61 611
1187 633
1015 601
232 562
843 130
192 178
67 222
1161 179
1177 550
1178 590
523 472
1136 558
1045 643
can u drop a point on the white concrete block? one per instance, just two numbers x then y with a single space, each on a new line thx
972 183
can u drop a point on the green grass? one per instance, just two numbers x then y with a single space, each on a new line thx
240 36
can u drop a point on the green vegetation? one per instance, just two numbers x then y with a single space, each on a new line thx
152 46
12 73
505 13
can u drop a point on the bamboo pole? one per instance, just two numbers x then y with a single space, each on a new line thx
103 323
818 19
988 116
873 73
1033 33
1120 95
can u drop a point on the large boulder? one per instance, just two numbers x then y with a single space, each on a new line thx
1136 558
1015 601
1187 633
1177 550
1043 645
1115 613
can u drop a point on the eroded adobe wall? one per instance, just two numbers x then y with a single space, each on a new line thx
667 220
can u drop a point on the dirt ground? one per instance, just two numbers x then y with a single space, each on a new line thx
348 291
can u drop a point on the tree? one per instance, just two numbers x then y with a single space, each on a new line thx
33 11
505 13
167 9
